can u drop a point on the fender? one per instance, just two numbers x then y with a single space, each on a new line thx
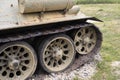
94 19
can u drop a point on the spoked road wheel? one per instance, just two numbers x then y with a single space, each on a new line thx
56 53
17 61
85 40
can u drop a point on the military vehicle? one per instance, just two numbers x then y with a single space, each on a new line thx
43 34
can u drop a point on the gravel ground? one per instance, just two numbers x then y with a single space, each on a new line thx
83 73
116 69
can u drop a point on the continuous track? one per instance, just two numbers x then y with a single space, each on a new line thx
80 59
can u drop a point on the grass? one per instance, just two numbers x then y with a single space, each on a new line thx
96 1
110 51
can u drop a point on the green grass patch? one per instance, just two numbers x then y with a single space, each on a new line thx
104 72
110 14
96 1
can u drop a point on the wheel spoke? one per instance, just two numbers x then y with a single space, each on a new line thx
47 50
65 46
89 34
7 54
52 63
11 49
1 58
2 64
21 71
63 61
61 43
25 59
87 47
66 55
65 49
92 41
22 53
47 55
25 65
83 32
78 39
56 62
48 60
8 72
18 51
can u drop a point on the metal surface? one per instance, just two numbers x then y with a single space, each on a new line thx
28 6
57 53
17 61
10 17
74 10
85 40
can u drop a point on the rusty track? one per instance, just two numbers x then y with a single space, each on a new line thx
80 59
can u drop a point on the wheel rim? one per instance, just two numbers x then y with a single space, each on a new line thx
58 54
85 40
17 61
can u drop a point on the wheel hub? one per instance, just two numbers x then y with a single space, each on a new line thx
86 39
14 64
58 53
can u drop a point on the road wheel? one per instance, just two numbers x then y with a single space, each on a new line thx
18 61
85 40
56 53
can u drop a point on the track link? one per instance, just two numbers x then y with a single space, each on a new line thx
31 34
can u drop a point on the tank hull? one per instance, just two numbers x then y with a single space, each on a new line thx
11 18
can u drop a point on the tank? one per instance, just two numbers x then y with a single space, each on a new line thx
43 35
